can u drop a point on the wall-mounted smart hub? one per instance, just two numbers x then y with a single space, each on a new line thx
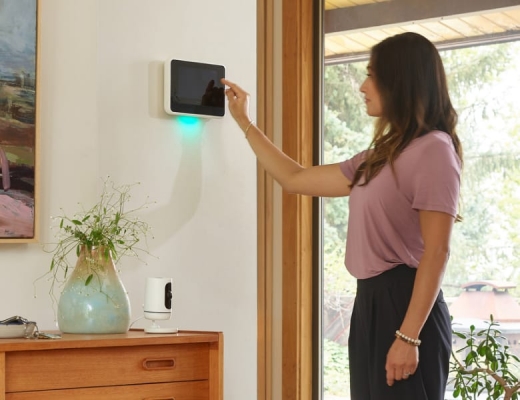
193 88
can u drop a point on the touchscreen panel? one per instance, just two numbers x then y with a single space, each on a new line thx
195 88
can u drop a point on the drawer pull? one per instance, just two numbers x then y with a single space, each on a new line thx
152 364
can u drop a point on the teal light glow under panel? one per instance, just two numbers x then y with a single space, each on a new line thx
190 125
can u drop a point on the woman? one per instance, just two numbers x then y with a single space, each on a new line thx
404 193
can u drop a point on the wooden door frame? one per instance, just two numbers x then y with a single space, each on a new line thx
265 121
297 128
298 62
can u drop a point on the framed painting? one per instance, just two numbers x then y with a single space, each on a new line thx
18 120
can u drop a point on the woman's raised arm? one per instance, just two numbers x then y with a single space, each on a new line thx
322 180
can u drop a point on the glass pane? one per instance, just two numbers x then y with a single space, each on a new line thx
346 132
484 84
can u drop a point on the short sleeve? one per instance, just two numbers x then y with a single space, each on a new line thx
436 182
350 166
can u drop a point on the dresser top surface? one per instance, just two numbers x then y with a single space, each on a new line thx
134 337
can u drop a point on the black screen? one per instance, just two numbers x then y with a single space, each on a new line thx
196 88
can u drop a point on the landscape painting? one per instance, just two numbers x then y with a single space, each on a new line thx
18 128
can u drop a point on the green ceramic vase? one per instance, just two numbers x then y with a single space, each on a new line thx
94 299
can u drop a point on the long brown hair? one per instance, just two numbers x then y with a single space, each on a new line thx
411 81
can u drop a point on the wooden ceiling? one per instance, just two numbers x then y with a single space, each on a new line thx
352 27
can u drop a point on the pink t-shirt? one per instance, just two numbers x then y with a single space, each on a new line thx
383 226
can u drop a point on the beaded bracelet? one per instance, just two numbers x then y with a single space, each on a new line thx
409 340
248 126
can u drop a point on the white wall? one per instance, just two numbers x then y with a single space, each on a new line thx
101 114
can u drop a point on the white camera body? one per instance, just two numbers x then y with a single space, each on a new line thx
158 303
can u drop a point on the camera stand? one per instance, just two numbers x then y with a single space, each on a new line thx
155 328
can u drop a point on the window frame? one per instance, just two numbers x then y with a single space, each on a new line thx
299 73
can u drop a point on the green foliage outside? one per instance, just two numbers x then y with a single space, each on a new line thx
485 368
335 367
484 83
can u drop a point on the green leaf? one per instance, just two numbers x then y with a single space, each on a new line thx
459 334
470 357
87 281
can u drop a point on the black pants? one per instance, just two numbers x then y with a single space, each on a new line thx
379 309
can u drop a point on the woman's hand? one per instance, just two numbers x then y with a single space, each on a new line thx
238 101
321 180
401 361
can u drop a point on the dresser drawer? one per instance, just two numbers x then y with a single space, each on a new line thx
110 366
159 391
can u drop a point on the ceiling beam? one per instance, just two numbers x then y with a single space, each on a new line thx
401 11
462 42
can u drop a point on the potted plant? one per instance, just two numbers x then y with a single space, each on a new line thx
93 298
485 368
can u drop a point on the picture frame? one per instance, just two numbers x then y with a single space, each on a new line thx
19 127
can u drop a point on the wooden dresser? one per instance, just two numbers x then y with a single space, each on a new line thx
133 365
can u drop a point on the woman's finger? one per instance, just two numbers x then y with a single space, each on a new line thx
237 90
230 94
